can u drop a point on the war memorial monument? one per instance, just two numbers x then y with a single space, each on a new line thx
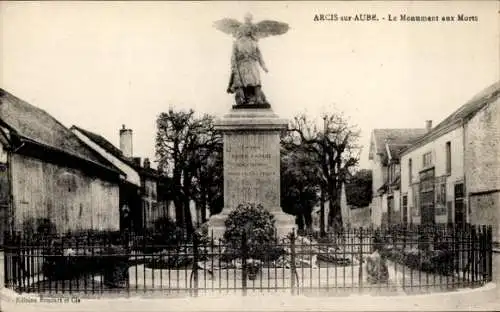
251 130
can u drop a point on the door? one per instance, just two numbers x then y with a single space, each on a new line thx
427 205
460 216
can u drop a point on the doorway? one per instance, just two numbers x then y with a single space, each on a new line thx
427 205
460 213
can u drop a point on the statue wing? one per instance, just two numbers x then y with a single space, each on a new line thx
228 25
268 28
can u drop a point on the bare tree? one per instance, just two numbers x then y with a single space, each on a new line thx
183 144
335 151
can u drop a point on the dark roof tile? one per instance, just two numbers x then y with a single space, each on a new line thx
469 109
34 124
113 150
396 139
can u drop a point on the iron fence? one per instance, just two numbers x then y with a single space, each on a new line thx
391 260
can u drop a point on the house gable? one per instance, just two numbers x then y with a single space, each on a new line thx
460 116
131 174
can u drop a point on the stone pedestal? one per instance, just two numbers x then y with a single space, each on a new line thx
251 140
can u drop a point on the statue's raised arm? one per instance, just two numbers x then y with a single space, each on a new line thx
246 57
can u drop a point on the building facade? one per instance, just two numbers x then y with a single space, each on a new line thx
384 156
48 175
452 174
482 162
142 188
431 171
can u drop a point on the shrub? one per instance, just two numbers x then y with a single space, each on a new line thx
167 231
38 228
252 226
87 252
432 261
177 255
165 234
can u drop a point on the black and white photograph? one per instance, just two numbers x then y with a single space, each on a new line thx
249 156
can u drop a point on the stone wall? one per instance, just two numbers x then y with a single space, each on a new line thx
482 150
71 199
485 210
482 166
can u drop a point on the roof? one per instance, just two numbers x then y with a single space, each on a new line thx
116 152
390 142
394 150
383 188
35 126
102 142
463 113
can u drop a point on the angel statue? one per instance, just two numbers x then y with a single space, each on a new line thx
246 58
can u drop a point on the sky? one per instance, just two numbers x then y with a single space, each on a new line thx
99 65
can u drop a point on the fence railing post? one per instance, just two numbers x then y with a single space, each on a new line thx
6 253
360 259
292 259
472 257
194 285
244 257
490 252
484 254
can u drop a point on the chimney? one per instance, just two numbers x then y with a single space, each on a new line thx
147 164
126 141
428 125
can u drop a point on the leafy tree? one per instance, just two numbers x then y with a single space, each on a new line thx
334 150
209 182
299 185
183 144
359 188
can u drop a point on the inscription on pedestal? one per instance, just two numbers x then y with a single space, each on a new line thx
251 169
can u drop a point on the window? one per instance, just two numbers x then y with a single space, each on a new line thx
427 197
460 216
405 209
427 159
393 173
409 171
441 196
448 157
449 207
416 199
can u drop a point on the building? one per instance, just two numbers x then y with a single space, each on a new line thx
48 174
452 173
482 159
143 190
384 156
